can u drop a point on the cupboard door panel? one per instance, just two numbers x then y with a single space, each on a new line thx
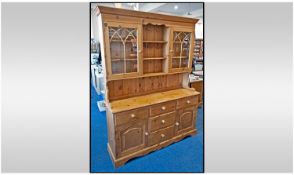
186 119
130 137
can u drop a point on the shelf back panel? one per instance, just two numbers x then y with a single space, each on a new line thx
126 88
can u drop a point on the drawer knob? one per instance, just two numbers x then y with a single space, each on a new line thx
162 135
188 102
133 115
162 121
146 133
177 124
163 107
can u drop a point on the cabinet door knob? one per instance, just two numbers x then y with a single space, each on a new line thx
162 135
177 124
163 107
188 102
133 115
162 121
146 133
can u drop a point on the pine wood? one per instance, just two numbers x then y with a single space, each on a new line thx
147 58
153 98
198 86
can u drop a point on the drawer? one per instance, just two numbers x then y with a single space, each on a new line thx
163 108
161 135
162 121
129 116
188 101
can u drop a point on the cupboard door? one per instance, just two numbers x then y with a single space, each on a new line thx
122 48
131 137
186 119
181 49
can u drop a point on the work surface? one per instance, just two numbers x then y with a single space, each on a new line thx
170 159
150 99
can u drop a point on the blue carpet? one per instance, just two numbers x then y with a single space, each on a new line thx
183 156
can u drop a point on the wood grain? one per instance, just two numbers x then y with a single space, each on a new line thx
150 99
148 102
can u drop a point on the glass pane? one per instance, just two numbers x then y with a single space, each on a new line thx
181 49
175 63
117 66
184 62
123 49
177 50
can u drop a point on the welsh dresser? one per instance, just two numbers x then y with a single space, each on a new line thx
146 58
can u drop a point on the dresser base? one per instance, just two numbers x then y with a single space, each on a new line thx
122 160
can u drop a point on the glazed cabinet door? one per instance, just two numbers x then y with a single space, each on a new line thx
122 49
181 49
186 119
130 137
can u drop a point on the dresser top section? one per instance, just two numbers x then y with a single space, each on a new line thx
150 99
140 14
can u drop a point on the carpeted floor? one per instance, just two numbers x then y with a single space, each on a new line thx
183 156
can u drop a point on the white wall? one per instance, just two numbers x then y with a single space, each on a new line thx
199 29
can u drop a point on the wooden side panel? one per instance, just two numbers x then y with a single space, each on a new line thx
111 130
198 86
103 46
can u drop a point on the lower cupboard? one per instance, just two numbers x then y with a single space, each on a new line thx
141 130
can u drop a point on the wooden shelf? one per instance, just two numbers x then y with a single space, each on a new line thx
177 42
154 58
155 42
175 71
121 59
150 99
154 74
119 41
183 57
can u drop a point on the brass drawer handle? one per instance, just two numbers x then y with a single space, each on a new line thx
162 135
146 133
177 124
188 101
133 115
162 121
163 108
